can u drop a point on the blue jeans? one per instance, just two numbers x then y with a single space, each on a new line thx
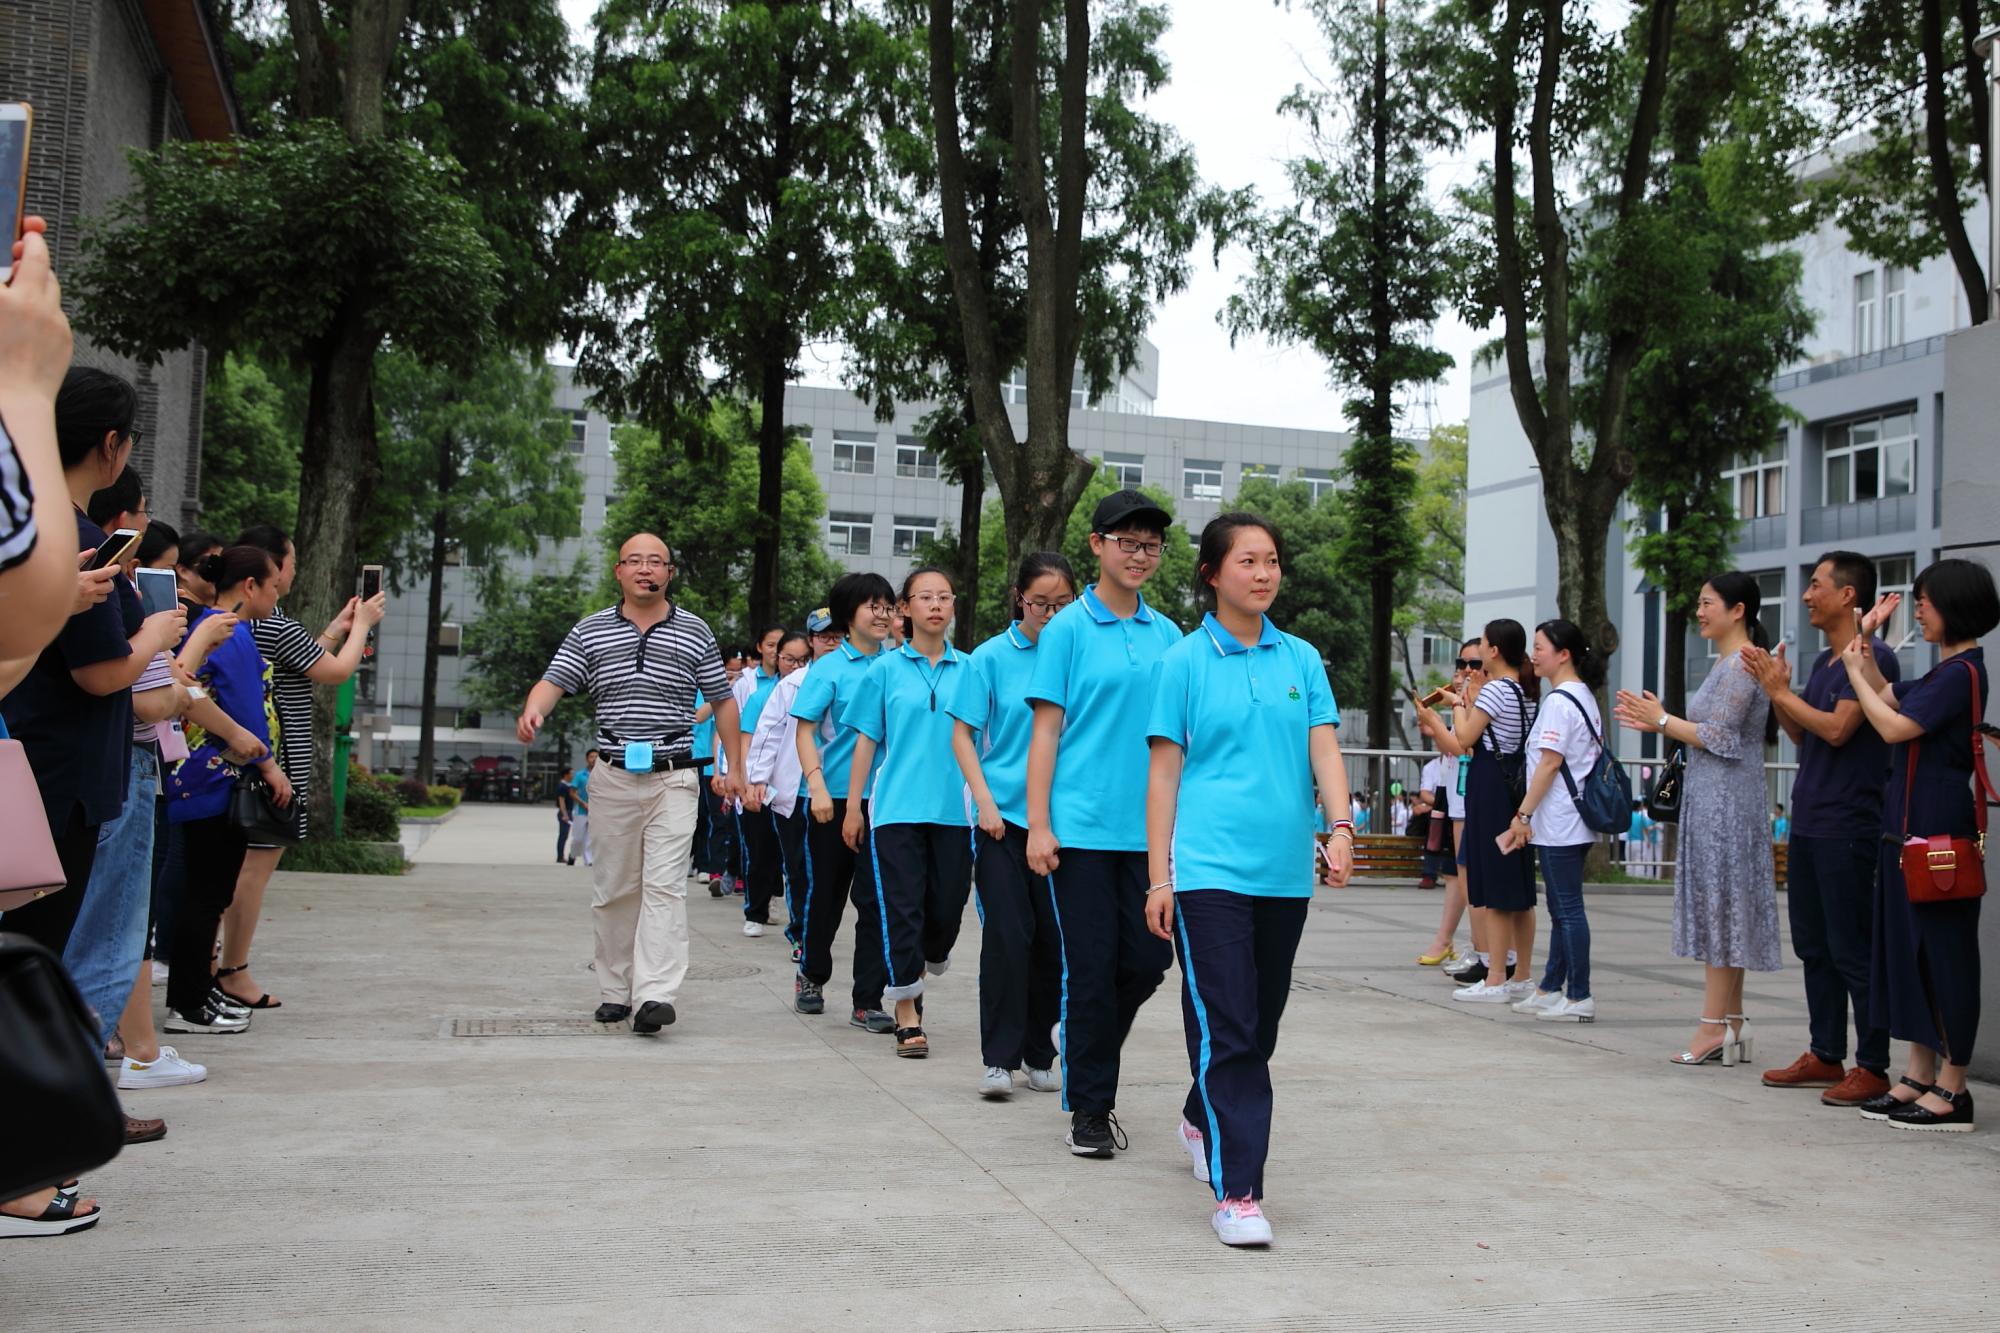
1569 936
104 949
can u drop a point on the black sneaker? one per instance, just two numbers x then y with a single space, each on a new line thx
612 1013
806 997
1470 976
652 1016
872 1020
1958 1120
206 1019
223 1002
1094 1134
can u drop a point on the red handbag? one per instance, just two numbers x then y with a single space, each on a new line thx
1941 868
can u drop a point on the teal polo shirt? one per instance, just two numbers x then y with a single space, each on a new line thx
992 699
1241 717
753 707
822 695
704 732
901 705
1096 666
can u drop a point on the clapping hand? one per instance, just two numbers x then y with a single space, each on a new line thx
1770 670
1878 615
1638 712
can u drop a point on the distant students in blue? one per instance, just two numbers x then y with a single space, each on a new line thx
1020 962
771 860
1089 691
756 837
1242 727
915 842
771 768
864 605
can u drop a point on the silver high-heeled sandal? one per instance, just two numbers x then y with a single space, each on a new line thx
1740 1036
1721 1053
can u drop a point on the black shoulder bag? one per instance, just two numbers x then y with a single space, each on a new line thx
59 1116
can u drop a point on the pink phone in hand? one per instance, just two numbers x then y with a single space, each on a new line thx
1326 855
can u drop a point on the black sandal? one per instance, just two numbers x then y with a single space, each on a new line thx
58 1219
911 1043
261 1002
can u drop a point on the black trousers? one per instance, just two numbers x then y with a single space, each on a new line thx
562 836
1236 956
1110 964
922 876
214 856
48 920
764 876
830 882
1020 961
715 835
1830 898
792 862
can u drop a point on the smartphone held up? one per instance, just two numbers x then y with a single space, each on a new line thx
16 121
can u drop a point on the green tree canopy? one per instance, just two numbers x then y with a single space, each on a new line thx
521 624
249 446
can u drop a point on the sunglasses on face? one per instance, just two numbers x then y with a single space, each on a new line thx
1467 664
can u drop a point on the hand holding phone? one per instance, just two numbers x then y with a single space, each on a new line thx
16 123
1434 698
117 548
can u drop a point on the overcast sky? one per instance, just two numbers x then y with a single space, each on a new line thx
1232 60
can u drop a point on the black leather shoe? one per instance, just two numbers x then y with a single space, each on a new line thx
1879 1108
652 1016
613 1013
1958 1120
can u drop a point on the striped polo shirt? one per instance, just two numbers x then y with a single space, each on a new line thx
642 683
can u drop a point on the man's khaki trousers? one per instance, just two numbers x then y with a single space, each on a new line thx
642 836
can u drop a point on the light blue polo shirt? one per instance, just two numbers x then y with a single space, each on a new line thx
1096 666
753 707
1241 716
822 694
992 699
901 705
704 731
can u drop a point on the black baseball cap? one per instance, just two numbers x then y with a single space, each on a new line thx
1129 508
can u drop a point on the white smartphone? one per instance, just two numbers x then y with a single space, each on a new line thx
16 122
158 590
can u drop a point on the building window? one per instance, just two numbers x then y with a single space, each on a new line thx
579 425
1014 389
913 460
1864 312
854 453
1895 573
1894 281
1129 469
1758 482
909 533
1866 460
450 636
1201 479
1255 471
1771 604
1318 480
850 534
1440 651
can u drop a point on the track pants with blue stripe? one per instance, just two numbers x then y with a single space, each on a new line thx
764 867
1020 963
921 875
792 850
831 877
1110 964
1236 956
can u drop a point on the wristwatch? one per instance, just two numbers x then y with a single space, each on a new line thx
1662 723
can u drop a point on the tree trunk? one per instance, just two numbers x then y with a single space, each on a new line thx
971 506
337 472
447 477
1381 423
1673 670
770 492
1944 174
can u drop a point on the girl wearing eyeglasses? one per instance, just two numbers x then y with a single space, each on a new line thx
916 848
1020 960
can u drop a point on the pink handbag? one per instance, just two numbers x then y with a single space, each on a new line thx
31 869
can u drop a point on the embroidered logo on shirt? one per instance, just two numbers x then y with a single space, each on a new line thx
1292 693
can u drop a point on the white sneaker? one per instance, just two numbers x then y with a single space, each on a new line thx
169 1071
1241 1222
996 1083
1481 993
1537 1002
753 928
1197 1150
1571 1011
1044 1080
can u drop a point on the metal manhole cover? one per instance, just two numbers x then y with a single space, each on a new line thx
535 1027
722 971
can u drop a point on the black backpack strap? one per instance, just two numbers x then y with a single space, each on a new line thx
1569 781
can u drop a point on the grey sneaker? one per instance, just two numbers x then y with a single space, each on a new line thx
806 997
873 1020
1044 1080
996 1083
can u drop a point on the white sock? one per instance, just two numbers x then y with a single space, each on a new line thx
1485 959
1511 959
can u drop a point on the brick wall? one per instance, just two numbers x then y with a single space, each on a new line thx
98 88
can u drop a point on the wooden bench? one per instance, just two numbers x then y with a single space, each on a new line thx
1385 856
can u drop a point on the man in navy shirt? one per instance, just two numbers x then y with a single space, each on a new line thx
1836 824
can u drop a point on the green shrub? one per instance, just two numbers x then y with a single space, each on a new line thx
446 796
340 856
372 811
412 791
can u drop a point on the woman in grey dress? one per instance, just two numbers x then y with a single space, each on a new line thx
1725 894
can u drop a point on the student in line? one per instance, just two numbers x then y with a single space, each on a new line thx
1089 691
1243 723
1568 737
1925 974
865 605
770 868
763 875
1492 726
919 847
771 767
1020 963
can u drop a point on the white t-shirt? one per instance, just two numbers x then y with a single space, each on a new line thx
1559 726
1443 772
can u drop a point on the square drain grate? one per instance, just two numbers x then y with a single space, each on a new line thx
536 1027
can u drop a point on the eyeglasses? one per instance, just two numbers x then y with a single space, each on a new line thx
1464 664
646 562
934 599
826 636
1049 608
786 659
132 437
1133 546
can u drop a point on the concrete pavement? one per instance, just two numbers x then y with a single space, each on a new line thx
353 1164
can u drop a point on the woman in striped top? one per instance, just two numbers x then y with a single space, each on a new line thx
298 662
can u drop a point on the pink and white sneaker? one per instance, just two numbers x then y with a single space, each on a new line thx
1241 1222
1197 1150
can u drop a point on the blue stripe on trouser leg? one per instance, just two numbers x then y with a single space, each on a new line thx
882 914
1062 1011
805 914
1212 1133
